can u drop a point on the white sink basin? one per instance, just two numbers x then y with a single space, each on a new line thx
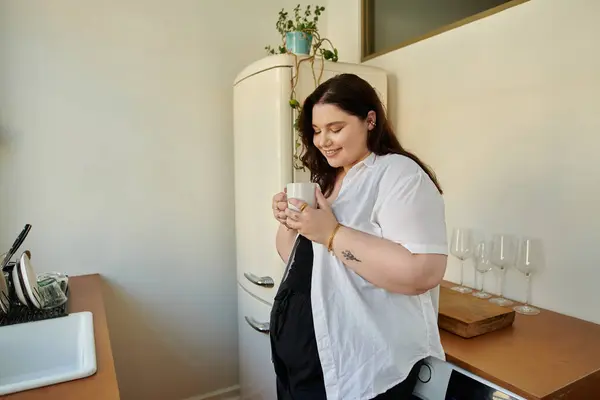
43 353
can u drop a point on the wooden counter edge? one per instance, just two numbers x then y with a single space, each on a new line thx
579 389
104 355
108 363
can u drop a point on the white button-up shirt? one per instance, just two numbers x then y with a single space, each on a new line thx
368 338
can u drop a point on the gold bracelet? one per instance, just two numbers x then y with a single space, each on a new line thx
330 242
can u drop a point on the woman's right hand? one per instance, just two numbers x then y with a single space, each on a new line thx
279 206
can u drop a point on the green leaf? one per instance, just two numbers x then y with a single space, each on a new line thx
305 21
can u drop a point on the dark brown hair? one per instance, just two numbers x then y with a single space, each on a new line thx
357 97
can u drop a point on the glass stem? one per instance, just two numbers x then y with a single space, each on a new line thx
481 283
528 279
502 274
462 268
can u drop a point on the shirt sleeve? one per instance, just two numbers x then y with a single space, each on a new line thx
412 213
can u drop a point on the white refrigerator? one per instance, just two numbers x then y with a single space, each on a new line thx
263 145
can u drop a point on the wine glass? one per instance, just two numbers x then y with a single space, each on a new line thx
462 248
482 266
529 260
503 255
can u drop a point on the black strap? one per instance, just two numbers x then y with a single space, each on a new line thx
291 258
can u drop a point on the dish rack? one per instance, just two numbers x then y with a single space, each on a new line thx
22 292
19 314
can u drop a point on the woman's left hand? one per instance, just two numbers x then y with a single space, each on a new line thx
315 224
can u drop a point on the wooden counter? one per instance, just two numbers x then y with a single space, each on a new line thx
546 356
85 295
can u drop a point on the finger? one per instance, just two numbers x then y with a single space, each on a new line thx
274 204
297 203
279 197
321 200
282 205
295 215
281 215
293 224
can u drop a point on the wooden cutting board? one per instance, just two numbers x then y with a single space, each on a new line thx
467 316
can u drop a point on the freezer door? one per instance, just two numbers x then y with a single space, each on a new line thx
257 376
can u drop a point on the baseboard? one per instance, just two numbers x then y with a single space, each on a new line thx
229 393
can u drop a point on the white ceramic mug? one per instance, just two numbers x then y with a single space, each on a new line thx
303 191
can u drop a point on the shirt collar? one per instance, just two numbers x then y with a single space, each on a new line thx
367 162
370 160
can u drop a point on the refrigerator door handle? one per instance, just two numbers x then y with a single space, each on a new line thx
264 281
262 327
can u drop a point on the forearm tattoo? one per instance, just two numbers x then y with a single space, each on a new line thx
349 256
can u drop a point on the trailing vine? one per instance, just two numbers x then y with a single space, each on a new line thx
322 49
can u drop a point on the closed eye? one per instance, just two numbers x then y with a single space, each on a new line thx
335 129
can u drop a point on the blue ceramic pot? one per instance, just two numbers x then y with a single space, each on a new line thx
298 42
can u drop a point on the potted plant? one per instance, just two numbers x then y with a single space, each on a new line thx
299 32
300 37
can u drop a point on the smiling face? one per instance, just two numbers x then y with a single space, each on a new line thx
339 136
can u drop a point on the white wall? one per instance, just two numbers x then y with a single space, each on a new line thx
506 111
116 145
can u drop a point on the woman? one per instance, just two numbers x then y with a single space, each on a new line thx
354 318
